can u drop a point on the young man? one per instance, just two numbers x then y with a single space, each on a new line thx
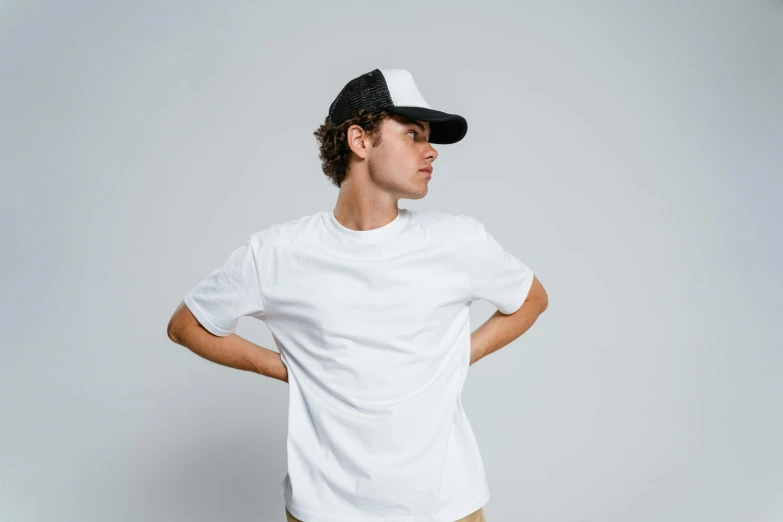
368 305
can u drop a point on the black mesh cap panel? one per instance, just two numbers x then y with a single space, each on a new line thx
368 91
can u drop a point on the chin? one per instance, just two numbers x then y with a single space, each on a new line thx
413 190
418 195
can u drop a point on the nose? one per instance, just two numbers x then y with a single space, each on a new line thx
432 154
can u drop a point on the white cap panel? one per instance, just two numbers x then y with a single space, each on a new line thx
402 89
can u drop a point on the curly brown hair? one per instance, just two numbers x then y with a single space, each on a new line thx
334 151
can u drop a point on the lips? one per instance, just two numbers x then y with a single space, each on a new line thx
428 170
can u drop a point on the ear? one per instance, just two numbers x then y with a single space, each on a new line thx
358 140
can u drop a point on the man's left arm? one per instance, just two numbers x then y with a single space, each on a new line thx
500 329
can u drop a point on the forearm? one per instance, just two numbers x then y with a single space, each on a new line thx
500 329
233 351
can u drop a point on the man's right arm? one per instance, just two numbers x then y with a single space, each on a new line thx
232 350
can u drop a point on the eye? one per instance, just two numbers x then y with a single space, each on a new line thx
413 132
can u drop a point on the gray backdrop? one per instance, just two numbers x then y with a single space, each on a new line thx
629 152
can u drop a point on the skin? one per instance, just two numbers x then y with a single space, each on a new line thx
376 179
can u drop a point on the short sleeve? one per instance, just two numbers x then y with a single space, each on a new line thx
496 275
231 291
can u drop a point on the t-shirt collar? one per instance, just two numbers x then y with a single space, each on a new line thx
375 235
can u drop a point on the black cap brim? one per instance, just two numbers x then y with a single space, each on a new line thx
445 128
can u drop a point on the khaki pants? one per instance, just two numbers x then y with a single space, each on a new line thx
476 516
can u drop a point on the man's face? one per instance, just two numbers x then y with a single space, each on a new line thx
395 164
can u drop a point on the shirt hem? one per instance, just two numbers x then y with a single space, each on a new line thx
449 515
203 319
522 296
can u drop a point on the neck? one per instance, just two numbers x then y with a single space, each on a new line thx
359 209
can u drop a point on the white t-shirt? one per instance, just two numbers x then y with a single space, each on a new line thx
373 328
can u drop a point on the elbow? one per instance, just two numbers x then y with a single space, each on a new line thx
179 320
539 295
172 330
542 299
543 303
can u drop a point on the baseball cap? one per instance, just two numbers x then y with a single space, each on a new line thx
395 91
